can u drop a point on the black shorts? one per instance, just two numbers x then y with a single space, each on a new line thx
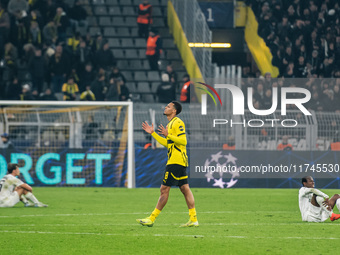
175 175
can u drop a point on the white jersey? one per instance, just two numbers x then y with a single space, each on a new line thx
309 211
7 185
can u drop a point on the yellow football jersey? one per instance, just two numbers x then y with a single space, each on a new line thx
175 142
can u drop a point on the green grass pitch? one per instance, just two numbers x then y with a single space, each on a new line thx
103 221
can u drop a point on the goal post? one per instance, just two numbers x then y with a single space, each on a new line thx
82 138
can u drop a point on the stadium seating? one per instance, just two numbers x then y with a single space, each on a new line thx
118 21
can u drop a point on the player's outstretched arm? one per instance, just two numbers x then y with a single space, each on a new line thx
150 130
147 128
162 130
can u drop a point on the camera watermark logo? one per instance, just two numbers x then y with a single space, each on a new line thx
204 97
238 99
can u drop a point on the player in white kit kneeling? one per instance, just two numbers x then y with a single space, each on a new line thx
316 206
12 190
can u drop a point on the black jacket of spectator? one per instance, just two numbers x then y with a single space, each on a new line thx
27 96
78 13
166 92
124 93
59 66
37 67
86 78
112 92
13 90
104 59
83 55
98 87
118 75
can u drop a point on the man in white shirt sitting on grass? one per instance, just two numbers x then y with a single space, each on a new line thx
12 190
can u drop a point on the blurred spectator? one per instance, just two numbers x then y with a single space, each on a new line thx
144 19
87 95
70 90
87 76
4 29
97 44
35 94
98 87
328 102
315 62
73 42
82 55
47 9
48 95
335 145
37 68
62 22
284 145
230 145
314 102
259 92
104 57
124 93
116 74
11 58
246 70
26 93
166 91
50 32
300 69
6 143
19 32
172 75
112 93
35 36
59 67
17 6
153 49
267 100
14 89
90 128
89 40
307 30
78 16
188 93
35 16
75 76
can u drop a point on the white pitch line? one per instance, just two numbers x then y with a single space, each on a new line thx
170 224
98 234
167 235
141 213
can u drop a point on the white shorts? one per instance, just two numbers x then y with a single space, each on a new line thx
10 201
315 214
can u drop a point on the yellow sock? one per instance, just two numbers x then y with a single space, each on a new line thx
154 214
192 214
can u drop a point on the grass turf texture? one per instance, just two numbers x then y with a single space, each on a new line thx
102 221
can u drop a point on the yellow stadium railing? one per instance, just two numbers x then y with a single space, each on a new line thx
257 46
182 44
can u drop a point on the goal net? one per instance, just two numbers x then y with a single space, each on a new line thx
69 143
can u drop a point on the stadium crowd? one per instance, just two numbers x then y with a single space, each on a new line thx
304 39
45 38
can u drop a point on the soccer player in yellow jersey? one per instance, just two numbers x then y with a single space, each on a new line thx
175 172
